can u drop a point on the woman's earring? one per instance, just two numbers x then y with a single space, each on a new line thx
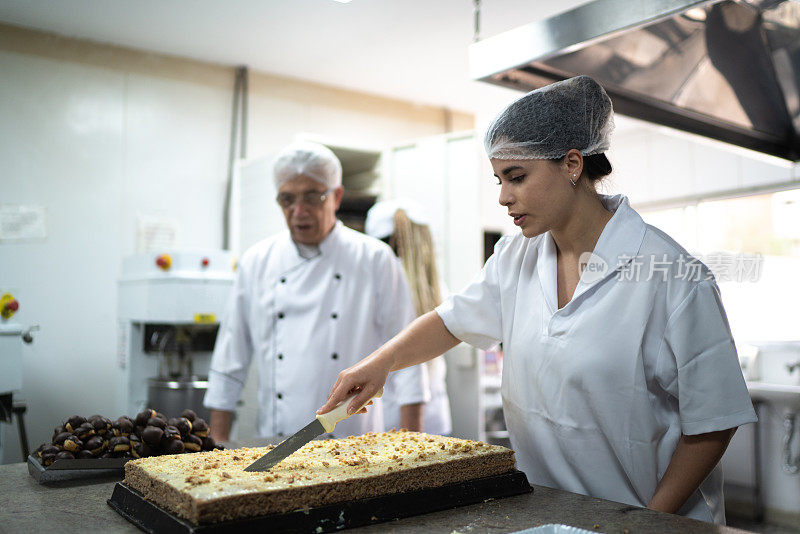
573 180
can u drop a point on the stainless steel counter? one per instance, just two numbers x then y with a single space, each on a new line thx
25 506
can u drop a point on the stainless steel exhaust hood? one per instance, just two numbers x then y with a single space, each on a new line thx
727 70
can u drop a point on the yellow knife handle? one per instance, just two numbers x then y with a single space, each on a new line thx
339 413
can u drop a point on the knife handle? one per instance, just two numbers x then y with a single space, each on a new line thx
339 413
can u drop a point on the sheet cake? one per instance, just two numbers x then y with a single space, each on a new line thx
212 486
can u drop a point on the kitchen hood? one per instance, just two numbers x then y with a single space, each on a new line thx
728 70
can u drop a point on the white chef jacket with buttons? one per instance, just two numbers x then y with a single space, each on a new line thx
596 394
303 320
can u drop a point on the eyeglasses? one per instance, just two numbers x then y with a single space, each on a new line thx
309 198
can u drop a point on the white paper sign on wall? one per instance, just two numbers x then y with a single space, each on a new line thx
22 223
156 233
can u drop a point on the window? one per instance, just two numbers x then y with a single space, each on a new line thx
753 246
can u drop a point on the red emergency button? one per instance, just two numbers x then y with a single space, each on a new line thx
205 262
164 262
8 305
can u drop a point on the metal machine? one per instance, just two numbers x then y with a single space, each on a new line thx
12 336
170 305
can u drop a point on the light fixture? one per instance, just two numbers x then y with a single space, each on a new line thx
697 14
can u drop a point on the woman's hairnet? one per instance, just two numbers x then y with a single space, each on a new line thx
550 121
307 159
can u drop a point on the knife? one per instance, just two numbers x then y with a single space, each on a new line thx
323 423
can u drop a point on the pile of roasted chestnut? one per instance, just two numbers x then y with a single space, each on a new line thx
148 434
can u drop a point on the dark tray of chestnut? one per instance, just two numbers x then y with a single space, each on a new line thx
61 470
96 446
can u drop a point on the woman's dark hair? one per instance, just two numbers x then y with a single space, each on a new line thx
595 166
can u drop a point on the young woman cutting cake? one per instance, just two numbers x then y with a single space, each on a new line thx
620 376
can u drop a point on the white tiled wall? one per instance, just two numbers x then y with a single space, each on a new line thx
61 152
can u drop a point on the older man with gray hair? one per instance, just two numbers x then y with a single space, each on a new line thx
308 303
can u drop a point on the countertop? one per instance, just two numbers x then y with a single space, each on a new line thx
26 506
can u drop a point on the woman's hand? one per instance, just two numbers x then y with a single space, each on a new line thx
425 338
364 379
693 460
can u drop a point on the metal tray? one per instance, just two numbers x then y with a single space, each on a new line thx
555 529
62 470
151 518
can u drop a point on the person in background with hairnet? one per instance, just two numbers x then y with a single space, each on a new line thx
620 376
403 224
308 303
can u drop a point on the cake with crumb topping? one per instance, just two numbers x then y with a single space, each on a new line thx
209 487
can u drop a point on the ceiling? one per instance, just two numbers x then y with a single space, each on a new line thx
414 50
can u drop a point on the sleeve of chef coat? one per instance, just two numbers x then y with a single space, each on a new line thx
232 351
699 362
473 316
396 310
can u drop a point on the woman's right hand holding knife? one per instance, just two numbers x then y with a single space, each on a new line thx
422 340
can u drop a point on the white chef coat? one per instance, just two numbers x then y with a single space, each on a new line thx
436 417
303 320
596 394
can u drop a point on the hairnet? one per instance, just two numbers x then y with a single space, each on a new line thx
307 159
550 121
380 217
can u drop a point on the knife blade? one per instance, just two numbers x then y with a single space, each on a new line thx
323 423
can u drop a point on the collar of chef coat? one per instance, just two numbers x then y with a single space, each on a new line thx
618 244
291 259
328 244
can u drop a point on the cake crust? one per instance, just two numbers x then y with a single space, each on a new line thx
212 486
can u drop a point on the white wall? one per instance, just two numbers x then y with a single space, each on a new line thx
96 146
58 152
100 135
655 165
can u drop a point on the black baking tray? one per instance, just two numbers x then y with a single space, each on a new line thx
149 517
76 469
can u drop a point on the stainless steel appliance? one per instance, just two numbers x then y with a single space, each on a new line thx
178 385
170 305
12 335
728 70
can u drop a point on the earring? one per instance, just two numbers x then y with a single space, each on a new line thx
572 180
